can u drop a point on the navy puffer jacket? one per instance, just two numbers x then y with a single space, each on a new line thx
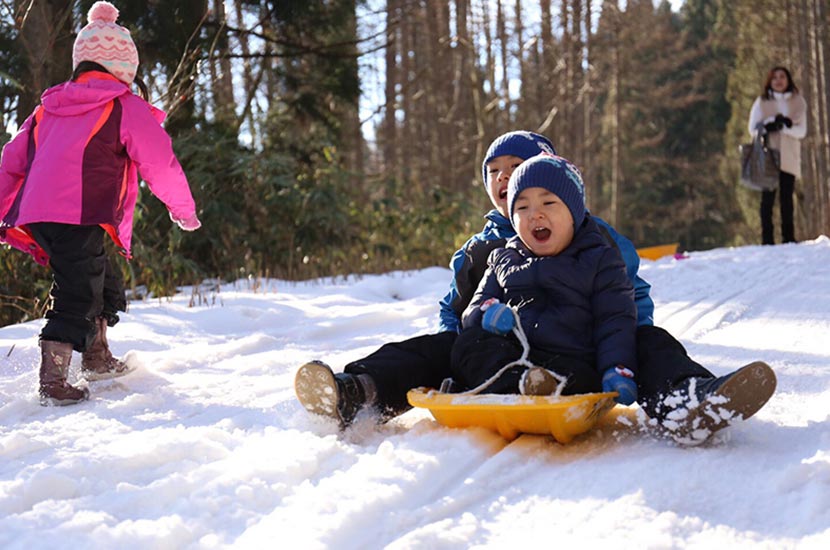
578 303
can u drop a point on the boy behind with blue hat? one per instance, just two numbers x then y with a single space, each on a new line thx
568 287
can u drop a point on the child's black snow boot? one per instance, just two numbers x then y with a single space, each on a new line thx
339 396
699 407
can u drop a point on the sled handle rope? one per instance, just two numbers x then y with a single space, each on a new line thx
522 361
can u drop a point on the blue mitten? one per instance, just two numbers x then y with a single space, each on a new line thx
498 319
620 380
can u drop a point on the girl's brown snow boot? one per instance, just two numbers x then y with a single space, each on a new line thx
97 362
54 368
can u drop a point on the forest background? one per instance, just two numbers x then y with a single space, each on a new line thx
330 137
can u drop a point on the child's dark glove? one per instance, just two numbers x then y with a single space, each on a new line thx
498 318
782 120
620 380
190 223
773 126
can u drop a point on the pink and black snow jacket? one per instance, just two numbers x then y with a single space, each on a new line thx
75 161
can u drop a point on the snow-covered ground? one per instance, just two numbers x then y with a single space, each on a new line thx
205 445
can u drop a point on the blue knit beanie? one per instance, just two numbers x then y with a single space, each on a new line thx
555 174
520 144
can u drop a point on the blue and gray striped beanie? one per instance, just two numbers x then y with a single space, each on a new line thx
555 174
520 144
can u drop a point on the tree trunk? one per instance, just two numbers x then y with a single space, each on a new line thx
501 31
45 38
484 104
614 94
546 50
351 136
389 129
821 113
463 116
587 108
575 80
563 75
520 57
221 73
409 135
250 83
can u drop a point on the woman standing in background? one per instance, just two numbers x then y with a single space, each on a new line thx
781 113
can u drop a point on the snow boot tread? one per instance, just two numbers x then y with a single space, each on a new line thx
538 381
738 395
320 391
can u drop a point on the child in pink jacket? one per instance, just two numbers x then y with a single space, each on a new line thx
68 178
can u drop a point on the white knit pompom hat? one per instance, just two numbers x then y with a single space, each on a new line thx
106 43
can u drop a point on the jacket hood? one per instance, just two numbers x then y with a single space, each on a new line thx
496 218
77 98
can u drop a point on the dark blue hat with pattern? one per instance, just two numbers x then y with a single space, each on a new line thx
555 174
520 144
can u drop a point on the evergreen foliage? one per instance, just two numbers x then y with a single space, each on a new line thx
263 101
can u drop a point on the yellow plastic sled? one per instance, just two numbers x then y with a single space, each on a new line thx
657 252
562 417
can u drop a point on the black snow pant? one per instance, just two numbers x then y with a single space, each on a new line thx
399 367
426 361
85 285
662 364
786 185
477 355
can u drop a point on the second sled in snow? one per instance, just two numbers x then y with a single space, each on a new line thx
657 252
563 417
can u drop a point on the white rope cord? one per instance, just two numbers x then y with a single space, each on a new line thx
522 361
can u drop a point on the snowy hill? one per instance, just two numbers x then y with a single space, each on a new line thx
205 445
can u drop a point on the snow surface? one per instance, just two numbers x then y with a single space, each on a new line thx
205 445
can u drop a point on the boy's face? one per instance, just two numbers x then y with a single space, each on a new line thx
542 221
498 174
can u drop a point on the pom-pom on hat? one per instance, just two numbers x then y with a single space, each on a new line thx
520 144
106 43
555 174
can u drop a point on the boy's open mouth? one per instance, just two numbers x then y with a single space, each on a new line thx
503 193
541 234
